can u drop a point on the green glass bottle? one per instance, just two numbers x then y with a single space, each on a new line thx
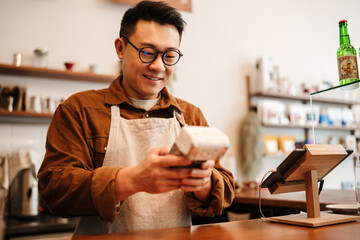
346 57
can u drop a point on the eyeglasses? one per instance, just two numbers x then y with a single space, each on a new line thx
149 54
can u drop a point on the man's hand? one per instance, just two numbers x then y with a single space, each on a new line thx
156 176
153 174
199 181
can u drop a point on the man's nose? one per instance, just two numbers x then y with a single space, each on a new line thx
158 64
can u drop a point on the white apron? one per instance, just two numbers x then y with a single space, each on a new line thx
142 210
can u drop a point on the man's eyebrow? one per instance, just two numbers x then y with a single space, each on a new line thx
145 44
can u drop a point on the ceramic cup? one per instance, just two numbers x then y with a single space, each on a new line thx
69 65
94 68
35 104
40 57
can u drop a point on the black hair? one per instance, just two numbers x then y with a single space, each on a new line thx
158 12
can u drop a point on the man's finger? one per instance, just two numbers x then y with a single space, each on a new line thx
173 161
208 164
161 151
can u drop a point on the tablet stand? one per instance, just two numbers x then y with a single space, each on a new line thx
318 161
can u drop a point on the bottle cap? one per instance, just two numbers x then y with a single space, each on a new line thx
343 21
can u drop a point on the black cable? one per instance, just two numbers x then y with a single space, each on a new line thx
321 184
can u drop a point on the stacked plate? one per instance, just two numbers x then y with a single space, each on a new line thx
344 208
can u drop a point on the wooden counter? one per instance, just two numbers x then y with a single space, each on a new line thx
249 229
255 229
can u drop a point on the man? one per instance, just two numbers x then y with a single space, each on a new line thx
107 151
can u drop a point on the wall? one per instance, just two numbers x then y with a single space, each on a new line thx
220 45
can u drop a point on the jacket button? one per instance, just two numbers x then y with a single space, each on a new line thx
147 115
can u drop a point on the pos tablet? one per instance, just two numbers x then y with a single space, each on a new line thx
301 170
296 157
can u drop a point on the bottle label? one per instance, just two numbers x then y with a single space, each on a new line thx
347 66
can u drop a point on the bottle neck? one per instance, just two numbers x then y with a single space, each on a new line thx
344 35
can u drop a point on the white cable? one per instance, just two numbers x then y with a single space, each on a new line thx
262 180
312 120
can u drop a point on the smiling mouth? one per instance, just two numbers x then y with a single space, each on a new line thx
152 78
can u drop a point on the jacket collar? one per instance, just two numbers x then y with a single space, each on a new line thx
115 95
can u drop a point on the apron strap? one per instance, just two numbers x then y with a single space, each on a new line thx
180 117
114 124
115 112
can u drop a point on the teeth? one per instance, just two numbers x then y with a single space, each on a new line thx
152 78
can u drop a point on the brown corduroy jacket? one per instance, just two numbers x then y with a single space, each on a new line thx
72 181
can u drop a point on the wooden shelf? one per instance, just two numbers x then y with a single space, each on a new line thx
342 128
25 114
281 96
303 98
26 71
24 117
54 74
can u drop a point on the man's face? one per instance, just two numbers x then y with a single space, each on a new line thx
146 80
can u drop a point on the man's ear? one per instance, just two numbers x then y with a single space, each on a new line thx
119 47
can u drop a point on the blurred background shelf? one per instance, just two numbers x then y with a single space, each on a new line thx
336 128
305 98
54 74
24 117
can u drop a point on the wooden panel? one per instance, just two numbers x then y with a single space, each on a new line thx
184 5
324 220
279 187
322 157
312 196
